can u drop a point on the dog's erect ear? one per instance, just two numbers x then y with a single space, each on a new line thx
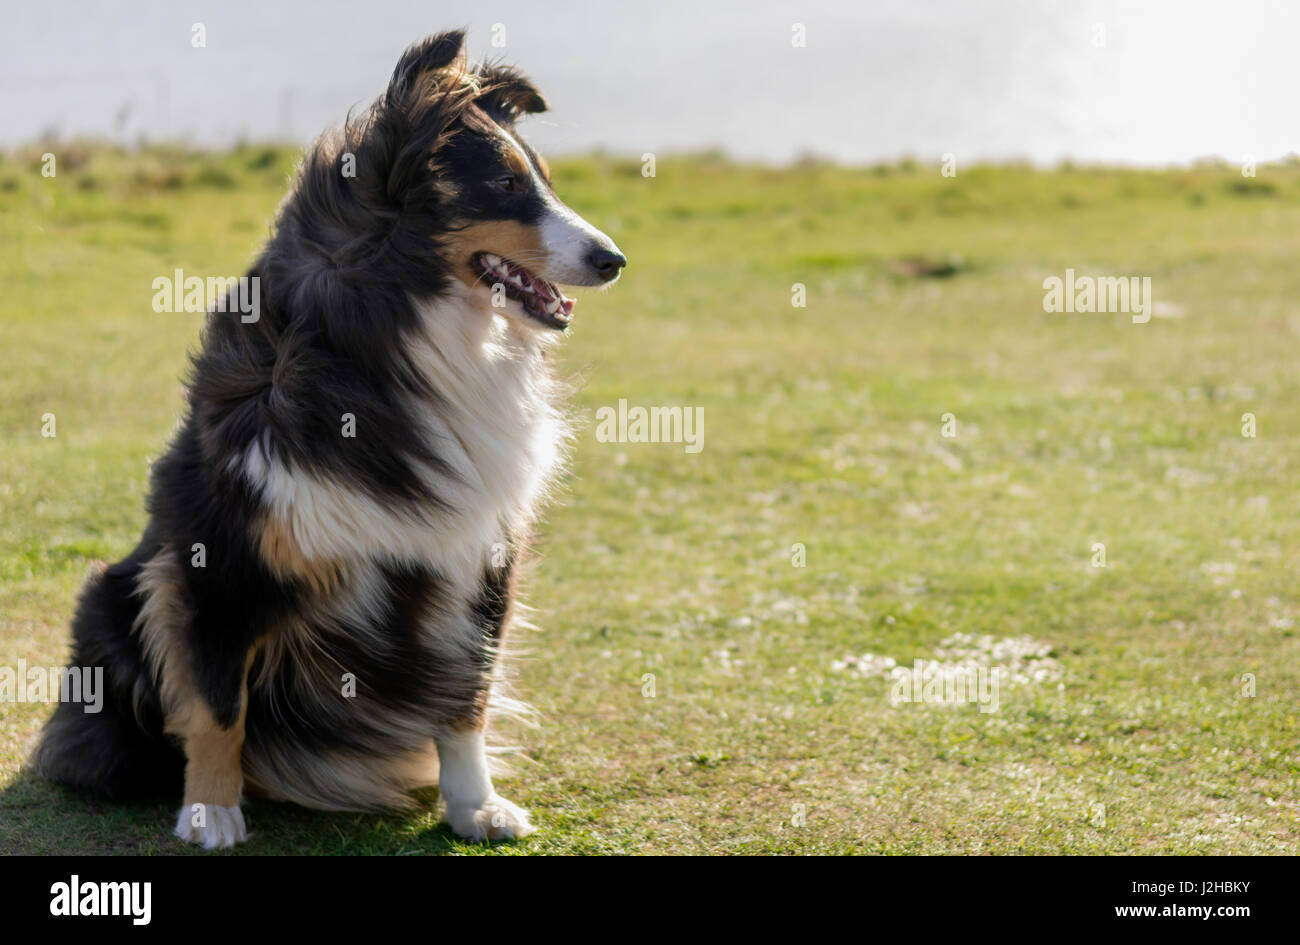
436 52
510 93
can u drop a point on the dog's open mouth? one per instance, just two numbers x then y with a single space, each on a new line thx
542 300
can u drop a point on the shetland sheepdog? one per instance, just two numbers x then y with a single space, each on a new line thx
317 607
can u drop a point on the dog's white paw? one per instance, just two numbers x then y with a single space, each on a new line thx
496 819
212 827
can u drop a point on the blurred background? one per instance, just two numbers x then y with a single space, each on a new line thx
1137 83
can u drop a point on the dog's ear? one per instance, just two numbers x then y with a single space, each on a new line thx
437 52
510 92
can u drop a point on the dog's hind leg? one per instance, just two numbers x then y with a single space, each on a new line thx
117 749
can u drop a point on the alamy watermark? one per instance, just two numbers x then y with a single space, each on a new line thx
133 900
624 424
181 293
1127 294
83 684
934 682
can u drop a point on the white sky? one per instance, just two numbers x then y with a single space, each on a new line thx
878 79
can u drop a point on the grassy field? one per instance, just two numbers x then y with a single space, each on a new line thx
1166 718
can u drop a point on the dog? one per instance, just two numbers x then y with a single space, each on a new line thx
317 607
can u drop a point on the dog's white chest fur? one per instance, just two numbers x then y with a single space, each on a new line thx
494 424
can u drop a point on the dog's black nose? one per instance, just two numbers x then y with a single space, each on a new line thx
607 263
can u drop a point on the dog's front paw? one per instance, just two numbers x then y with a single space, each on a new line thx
496 819
211 826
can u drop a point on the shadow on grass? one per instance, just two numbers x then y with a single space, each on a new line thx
38 817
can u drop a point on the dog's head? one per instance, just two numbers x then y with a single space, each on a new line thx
439 162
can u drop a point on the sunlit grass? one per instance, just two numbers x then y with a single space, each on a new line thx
822 428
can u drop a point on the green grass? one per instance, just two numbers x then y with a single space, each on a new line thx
822 427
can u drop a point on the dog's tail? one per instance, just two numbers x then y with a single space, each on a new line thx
112 745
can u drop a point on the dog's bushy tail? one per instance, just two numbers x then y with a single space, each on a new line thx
120 751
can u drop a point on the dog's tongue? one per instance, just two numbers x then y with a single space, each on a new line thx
550 292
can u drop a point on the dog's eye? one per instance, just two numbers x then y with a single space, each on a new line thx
507 185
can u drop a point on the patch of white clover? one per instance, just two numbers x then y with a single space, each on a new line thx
865 665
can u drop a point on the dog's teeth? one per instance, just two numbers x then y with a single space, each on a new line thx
493 261
552 306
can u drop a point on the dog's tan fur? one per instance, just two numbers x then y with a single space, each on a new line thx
213 769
